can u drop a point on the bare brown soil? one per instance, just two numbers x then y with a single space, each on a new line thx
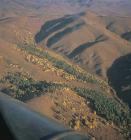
62 106
95 45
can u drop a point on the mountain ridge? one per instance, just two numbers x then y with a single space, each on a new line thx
68 55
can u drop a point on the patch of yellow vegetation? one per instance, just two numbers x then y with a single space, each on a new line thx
83 120
47 66
15 65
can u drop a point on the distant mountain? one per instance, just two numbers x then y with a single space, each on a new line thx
112 7
117 7
18 7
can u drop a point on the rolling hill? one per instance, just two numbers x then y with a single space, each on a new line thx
69 60
41 77
85 39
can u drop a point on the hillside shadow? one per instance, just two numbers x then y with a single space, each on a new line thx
126 36
119 75
58 36
5 19
81 48
109 26
54 25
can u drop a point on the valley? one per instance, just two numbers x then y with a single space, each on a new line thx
70 60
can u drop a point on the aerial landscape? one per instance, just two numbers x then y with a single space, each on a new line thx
69 60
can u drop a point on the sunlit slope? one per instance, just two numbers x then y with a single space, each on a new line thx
39 76
84 38
36 75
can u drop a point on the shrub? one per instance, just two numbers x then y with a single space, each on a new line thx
60 64
25 88
106 107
